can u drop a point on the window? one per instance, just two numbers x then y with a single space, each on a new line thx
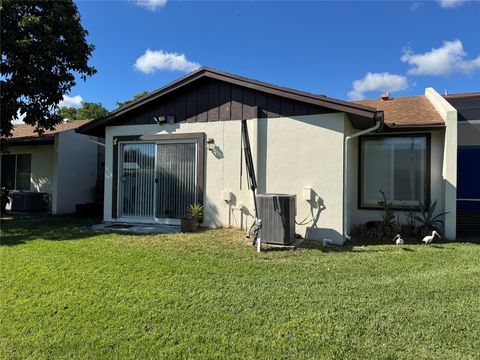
16 171
396 165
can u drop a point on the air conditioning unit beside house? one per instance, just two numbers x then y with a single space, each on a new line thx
29 201
277 212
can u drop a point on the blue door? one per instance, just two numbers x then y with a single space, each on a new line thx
468 191
468 178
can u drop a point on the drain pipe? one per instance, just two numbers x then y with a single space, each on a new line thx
345 173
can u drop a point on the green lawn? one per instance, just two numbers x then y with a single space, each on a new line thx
68 292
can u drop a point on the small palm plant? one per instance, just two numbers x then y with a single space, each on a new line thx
427 218
388 216
196 212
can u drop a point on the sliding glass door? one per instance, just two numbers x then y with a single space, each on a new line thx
157 180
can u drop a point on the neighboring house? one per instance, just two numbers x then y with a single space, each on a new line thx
468 183
158 159
59 163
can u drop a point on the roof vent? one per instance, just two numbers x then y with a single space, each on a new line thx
385 96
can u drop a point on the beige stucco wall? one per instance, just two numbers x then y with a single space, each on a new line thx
75 169
360 216
290 154
42 167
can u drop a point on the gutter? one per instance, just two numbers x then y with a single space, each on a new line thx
345 170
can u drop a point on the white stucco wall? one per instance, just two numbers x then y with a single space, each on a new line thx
75 171
360 216
449 168
290 154
42 167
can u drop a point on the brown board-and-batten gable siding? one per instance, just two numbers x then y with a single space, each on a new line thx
207 95
216 100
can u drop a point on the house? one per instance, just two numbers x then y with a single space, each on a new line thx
182 144
60 164
468 162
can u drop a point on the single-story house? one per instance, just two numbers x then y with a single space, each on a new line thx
61 164
182 144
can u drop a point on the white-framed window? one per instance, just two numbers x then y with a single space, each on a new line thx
398 166
16 171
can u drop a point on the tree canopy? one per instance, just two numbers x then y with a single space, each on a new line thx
88 111
43 48
135 97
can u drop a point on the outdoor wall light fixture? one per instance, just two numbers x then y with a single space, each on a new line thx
159 119
169 119
210 144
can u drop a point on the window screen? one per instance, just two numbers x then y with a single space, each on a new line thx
24 163
396 166
16 171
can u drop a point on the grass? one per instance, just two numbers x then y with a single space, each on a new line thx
69 292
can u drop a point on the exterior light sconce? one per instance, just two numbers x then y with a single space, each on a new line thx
169 119
159 119
211 144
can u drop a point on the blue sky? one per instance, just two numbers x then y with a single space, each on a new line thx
341 49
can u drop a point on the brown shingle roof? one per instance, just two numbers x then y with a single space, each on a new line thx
27 131
408 111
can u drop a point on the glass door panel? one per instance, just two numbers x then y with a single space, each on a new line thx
177 178
137 180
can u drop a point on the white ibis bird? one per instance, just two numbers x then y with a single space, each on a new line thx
429 239
398 240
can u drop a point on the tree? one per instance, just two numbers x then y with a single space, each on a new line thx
135 97
65 112
43 47
88 111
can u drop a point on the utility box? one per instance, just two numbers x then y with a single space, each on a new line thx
277 212
29 201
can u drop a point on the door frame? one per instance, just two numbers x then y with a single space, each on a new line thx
199 138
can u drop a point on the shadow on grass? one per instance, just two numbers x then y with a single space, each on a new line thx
316 245
412 241
19 229
373 248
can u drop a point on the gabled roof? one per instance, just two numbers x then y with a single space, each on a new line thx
406 112
23 134
355 110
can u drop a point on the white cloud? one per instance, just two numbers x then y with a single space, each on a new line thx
377 82
152 5
447 59
448 4
161 60
71 101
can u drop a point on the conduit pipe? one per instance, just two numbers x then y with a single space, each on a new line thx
345 175
96 142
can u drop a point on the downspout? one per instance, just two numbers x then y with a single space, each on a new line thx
345 170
